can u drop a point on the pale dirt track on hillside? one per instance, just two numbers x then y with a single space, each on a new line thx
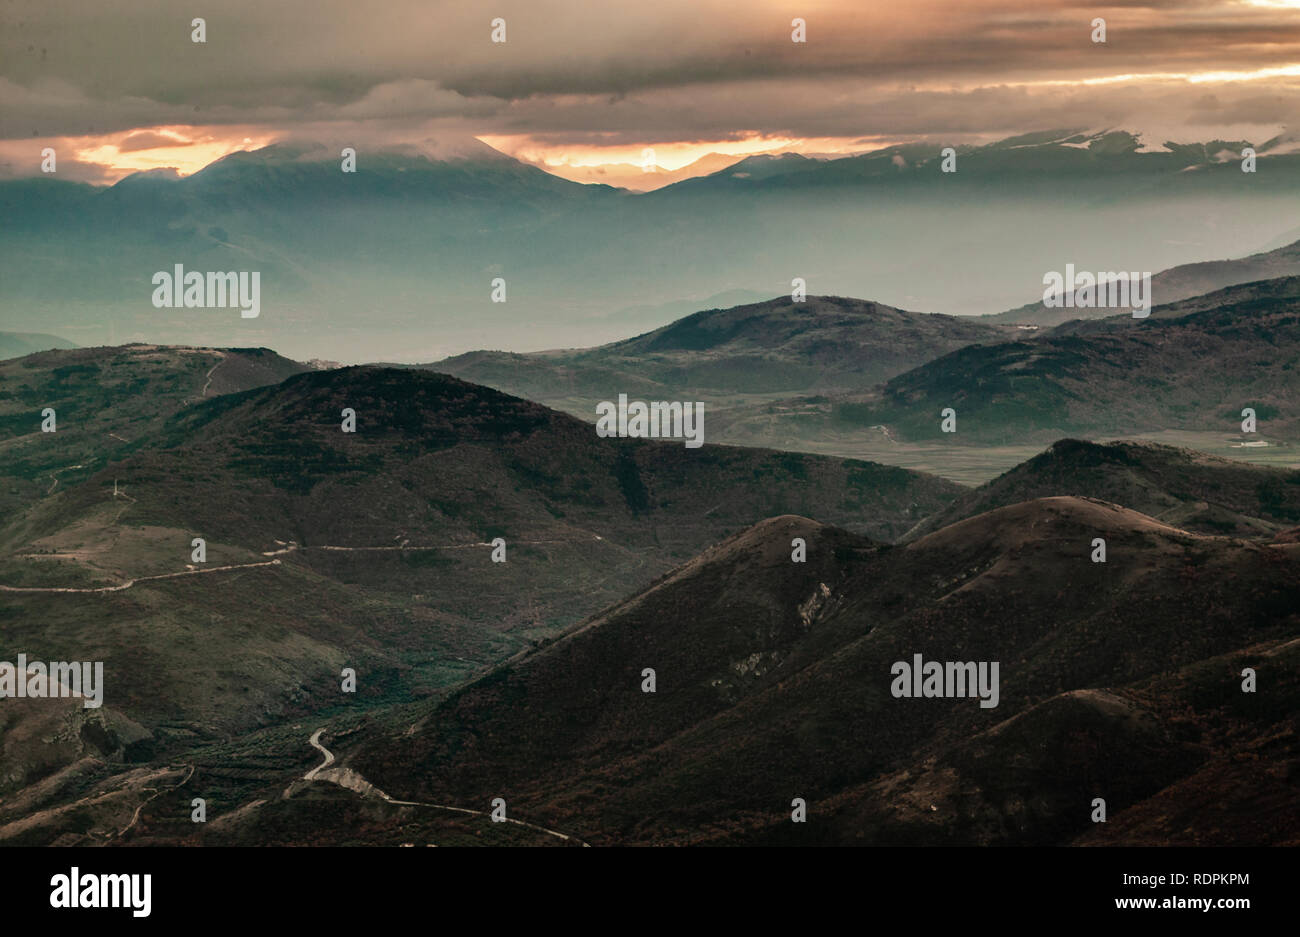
131 582
358 784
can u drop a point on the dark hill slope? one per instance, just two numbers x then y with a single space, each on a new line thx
326 536
401 517
105 399
456 462
775 684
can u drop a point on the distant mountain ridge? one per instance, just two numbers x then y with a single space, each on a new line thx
17 344
1174 285
1191 365
355 265
780 346
1186 489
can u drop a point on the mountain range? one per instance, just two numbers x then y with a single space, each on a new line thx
390 529
1195 364
403 252
630 640
859 379
522 679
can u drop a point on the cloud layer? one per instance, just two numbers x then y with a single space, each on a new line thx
575 75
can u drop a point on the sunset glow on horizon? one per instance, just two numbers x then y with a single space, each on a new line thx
586 103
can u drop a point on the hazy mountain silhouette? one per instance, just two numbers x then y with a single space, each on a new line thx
17 344
1175 284
401 254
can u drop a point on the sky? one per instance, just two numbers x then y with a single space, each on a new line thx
121 87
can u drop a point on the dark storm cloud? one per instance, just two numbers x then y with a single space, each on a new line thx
705 69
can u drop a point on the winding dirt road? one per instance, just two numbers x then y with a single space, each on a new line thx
135 818
313 775
131 582
329 756
439 546
290 547
220 361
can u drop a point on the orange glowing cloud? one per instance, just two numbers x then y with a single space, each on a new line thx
107 158
576 161
185 149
